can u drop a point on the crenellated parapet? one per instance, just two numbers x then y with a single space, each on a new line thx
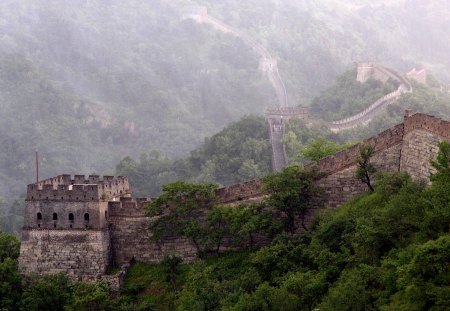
79 188
379 72
127 207
63 193
240 192
346 158
430 124
287 112
83 237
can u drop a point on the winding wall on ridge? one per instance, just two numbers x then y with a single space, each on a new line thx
408 147
84 249
380 72
269 66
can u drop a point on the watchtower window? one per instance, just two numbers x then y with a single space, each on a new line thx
39 216
55 216
71 217
86 217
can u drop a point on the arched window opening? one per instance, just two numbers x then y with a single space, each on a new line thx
55 216
39 216
71 217
86 217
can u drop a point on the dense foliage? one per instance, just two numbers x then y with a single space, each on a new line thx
181 209
292 192
89 83
385 250
195 212
238 153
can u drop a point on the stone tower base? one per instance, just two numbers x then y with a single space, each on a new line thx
80 254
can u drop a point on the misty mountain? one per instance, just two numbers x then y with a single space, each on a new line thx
90 82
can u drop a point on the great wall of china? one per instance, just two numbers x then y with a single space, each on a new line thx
269 67
81 227
277 116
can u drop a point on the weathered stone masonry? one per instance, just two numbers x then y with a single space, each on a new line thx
66 226
82 226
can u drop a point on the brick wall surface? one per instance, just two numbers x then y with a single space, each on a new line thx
130 240
81 254
419 147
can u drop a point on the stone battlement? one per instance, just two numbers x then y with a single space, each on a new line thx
346 158
127 207
64 188
287 112
240 192
83 238
431 124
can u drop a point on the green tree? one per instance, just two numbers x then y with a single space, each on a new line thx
9 246
10 279
180 209
319 148
292 192
10 284
248 220
89 297
442 164
267 298
51 292
423 283
356 289
218 226
365 168
172 265
308 286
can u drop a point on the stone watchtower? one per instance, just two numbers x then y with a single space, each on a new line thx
66 225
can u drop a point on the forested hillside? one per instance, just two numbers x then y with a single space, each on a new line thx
385 250
88 83
239 152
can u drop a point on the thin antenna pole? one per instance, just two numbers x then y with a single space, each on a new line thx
37 168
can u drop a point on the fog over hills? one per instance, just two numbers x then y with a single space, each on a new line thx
89 82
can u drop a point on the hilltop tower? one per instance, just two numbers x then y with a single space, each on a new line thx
66 225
